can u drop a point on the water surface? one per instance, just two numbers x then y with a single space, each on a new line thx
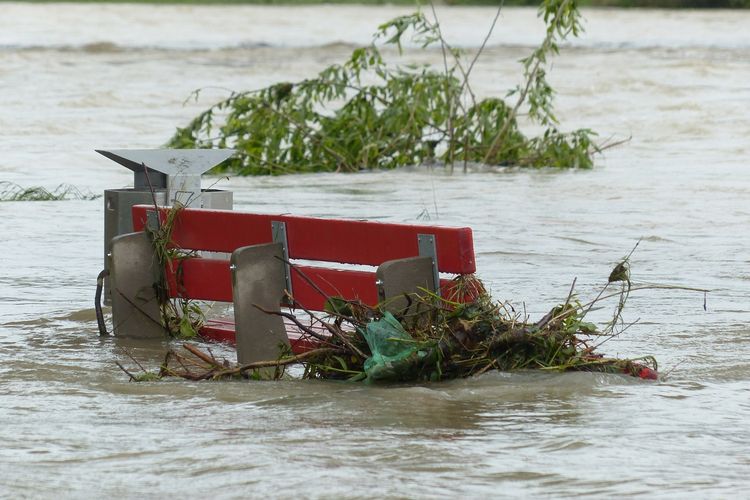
78 77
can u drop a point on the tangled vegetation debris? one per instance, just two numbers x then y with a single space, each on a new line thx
182 318
435 338
368 114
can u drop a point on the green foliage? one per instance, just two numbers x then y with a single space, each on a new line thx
439 339
182 317
367 114
672 4
13 192
434 338
146 376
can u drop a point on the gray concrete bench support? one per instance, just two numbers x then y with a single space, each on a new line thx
133 271
258 279
410 276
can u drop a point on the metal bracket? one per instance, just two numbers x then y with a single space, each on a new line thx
152 220
278 230
380 285
427 248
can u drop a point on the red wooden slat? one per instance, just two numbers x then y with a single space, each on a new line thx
219 331
211 279
202 279
309 238
351 285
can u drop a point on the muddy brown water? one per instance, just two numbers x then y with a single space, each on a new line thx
78 77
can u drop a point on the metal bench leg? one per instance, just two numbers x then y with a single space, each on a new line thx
258 279
135 306
404 276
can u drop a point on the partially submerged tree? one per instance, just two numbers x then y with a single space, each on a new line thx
367 114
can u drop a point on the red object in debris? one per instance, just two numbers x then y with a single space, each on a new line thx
465 291
648 374
642 372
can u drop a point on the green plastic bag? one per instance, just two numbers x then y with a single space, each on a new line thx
390 346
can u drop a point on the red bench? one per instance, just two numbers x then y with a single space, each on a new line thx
260 271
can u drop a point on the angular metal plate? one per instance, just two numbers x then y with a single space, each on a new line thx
169 161
428 248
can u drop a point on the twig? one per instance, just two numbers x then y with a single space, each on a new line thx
307 279
486 367
136 306
200 354
132 377
278 362
531 76
613 335
196 93
153 193
336 332
448 97
481 49
132 358
164 370
570 293
297 322
549 316
607 145
315 287
665 375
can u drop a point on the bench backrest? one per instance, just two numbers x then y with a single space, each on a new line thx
307 238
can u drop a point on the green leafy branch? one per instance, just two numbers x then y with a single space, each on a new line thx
368 114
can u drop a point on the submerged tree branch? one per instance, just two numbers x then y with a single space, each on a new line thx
403 115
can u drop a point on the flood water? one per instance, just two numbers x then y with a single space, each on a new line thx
78 77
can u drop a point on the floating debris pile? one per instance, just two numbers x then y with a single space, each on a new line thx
433 338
